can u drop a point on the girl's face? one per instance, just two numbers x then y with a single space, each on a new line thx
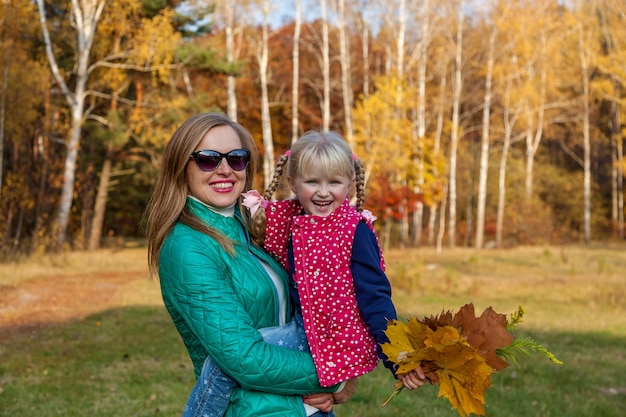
221 187
319 194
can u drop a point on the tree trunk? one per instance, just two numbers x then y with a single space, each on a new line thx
532 141
85 17
365 35
508 129
230 57
484 145
584 58
3 104
442 218
325 68
418 212
95 232
438 133
268 142
346 84
617 172
454 138
296 73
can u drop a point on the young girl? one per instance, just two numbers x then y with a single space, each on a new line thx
331 251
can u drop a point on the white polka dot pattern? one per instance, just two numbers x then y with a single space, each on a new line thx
341 345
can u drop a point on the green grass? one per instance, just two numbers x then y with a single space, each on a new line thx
122 362
129 361
581 387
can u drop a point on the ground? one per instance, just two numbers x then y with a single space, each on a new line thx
34 304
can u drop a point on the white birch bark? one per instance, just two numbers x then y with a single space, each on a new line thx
230 58
484 143
422 48
365 39
296 72
325 67
263 57
400 41
584 66
454 137
432 220
346 85
533 140
509 117
85 15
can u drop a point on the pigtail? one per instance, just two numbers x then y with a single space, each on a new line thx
278 173
259 219
359 171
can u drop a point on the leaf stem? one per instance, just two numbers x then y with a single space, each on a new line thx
399 387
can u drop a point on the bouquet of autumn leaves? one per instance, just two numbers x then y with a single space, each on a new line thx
459 352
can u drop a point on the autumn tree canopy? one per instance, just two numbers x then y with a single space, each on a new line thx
479 123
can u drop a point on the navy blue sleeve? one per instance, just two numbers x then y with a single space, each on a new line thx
373 290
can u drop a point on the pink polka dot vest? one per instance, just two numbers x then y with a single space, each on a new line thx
340 342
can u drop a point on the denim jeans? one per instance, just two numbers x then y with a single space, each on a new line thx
210 395
323 414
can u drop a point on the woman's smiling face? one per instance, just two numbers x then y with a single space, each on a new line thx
223 186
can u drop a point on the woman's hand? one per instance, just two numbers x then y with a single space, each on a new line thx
321 401
414 379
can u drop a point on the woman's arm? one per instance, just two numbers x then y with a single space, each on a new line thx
200 291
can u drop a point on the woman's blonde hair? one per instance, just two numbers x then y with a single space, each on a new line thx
330 151
167 202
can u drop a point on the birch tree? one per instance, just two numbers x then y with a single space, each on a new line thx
537 57
231 54
140 56
421 56
295 82
346 87
84 15
262 58
325 66
500 14
484 141
585 36
454 134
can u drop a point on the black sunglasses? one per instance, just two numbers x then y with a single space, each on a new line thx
208 160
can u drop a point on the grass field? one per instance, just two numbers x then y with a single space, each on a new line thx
123 357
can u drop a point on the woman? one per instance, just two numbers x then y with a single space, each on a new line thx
217 286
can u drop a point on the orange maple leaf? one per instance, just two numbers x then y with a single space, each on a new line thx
486 333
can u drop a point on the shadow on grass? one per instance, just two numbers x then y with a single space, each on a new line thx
131 362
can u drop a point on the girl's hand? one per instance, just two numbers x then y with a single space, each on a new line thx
347 391
414 379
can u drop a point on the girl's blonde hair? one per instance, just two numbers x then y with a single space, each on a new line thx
167 202
330 151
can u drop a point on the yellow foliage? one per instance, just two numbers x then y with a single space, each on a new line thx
386 141
462 373
458 351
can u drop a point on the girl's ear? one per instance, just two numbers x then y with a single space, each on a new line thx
292 186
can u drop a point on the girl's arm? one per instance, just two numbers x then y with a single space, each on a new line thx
373 290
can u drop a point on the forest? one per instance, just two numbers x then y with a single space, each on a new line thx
480 123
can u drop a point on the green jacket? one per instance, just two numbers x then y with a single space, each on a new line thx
218 302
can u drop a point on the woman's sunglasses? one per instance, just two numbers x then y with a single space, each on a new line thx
208 160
